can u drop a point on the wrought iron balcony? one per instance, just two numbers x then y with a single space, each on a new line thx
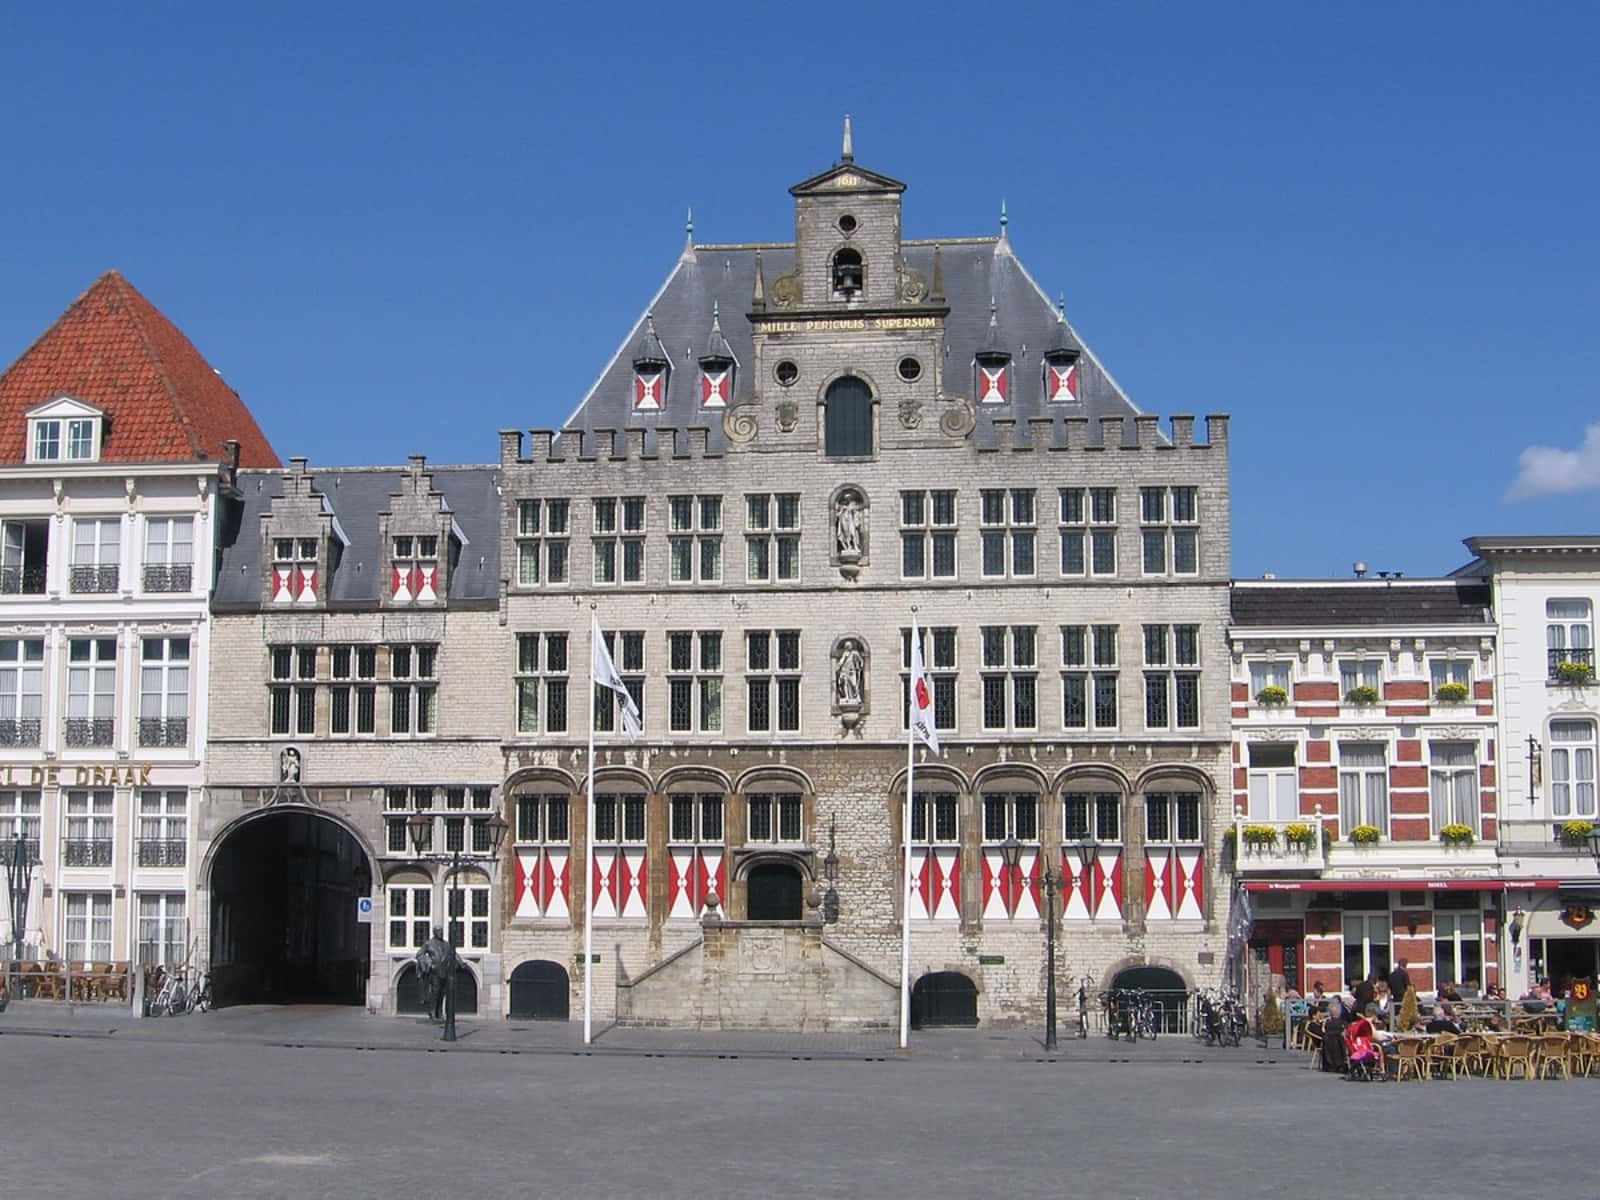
25 731
86 852
94 579
1578 658
175 578
24 580
163 731
87 731
161 852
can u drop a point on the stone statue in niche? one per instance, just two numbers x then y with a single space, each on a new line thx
849 516
847 674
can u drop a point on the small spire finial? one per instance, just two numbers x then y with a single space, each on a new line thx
1004 219
716 315
688 224
849 154
1061 306
992 321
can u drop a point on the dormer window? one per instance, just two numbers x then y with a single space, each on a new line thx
414 577
294 570
993 378
650 370
848 274
1061 376
64 430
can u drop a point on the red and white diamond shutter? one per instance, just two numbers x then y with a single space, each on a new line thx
1061 383
994 384
715 387
649 390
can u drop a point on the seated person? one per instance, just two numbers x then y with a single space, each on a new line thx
1333 1050
1495 992
1318 997
1444 1019
1449 991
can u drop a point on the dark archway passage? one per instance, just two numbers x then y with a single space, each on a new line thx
283 913
540 991
944 998
1167 991
774 893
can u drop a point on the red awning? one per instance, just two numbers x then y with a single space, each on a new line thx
1396 885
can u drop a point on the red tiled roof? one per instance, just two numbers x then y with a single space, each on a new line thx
163 402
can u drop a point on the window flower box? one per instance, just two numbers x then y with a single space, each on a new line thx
1452 693
1365 835
1272 696
1576 834
1260 837
1363 694
1574 672
1300 834
1456 835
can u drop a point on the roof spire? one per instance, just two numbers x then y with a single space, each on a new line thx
1004 219
849 154
992 321
936 292
688 235
758 292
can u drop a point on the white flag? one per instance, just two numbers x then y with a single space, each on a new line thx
921 694
605 674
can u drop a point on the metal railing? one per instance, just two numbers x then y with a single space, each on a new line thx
25 731
24 580
161 852
178 577
86 852
163 731
91 731
94 579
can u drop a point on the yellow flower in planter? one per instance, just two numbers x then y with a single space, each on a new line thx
1456 835
1365 835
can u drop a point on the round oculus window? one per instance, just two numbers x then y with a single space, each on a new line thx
847 224
786 372
910 369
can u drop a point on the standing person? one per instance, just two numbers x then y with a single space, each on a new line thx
1399 983
1365 992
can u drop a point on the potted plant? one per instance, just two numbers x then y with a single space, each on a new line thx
1365 835
1301 835
1576 833
1272 696
1363 693
1574 672
1260 837
1452 693
1456 834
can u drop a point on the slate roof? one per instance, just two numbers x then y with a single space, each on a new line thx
357 496
163 402
1368 603
974 271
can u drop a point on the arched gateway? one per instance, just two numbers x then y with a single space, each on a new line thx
284 885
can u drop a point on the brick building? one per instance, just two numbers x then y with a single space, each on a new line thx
1365 780
117 443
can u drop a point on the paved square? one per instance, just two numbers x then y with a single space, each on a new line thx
137 1118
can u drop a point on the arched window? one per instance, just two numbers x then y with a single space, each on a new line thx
849 276
847 427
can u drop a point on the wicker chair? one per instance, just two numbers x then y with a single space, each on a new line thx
1517 1053
1439 1059
1407 1056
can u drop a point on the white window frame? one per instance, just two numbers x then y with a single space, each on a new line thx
694 677
413 689
1274 790
164 676
1454 787
1171 669
163 928
544 527
90 941
168 549
543 681
927 538
777 672
1448 935
1573 755
694 538
1010 662
92 680
1375 930
21 690
1367 787
772 537
415 929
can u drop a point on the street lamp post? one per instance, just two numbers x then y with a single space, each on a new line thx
17 887
1011 852
420 826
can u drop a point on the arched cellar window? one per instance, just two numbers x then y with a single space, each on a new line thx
847 426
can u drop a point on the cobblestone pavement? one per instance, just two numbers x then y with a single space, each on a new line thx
355 1028
169 1115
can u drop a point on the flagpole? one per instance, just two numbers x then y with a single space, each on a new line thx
905 838
588 854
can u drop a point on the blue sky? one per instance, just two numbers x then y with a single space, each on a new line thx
1366 231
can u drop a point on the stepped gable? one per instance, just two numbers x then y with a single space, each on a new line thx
114 350
1370 603
357 497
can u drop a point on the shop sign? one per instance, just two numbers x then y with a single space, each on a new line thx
49 775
